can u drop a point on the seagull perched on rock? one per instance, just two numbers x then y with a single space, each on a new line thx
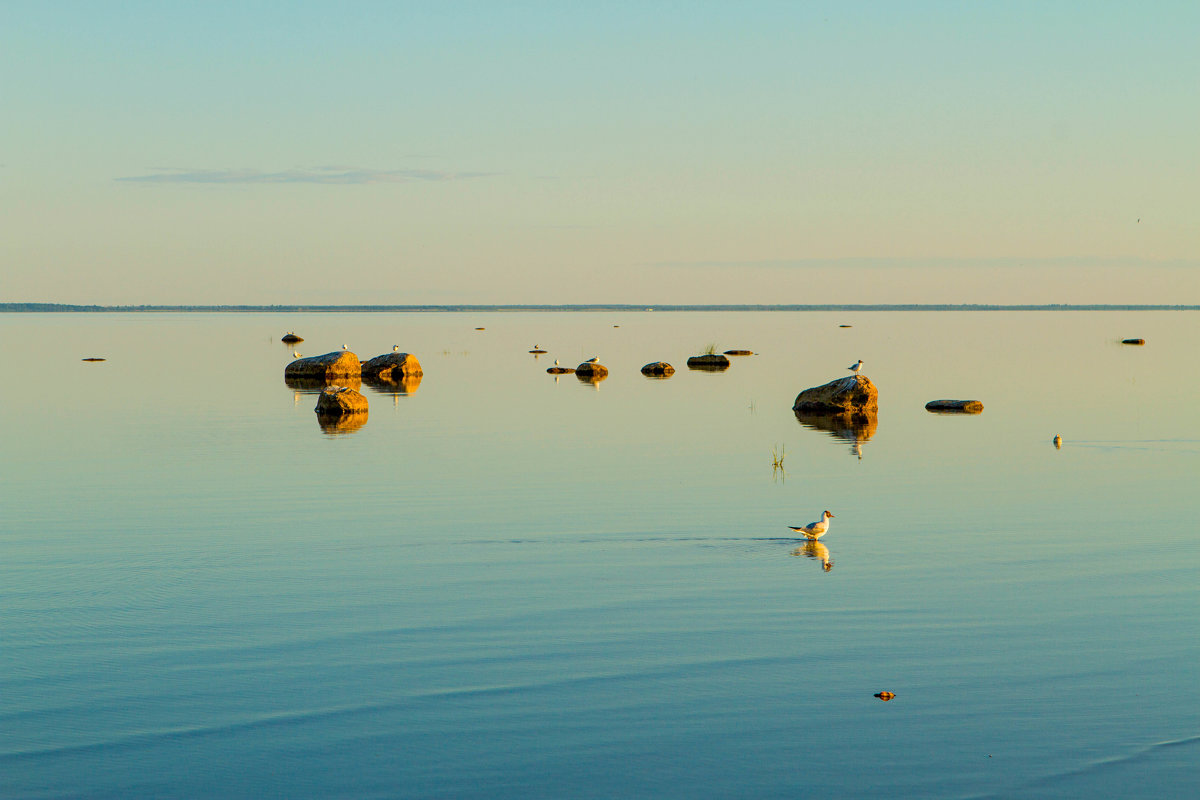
855 367
344 347
395 348
592 360
814 530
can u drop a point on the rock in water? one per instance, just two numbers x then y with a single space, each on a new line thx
658 369
291 338
590 369
852 395
955 406
329 367
710 361
339 401
392 367
560 370
739 352
1133 341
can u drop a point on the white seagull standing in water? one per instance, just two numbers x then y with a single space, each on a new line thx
814 530
855 367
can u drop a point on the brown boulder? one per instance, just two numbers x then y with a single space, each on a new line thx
338 401
328 367
590 369
658 369
954 406
392 367
710 361
854 395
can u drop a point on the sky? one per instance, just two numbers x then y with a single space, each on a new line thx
610 152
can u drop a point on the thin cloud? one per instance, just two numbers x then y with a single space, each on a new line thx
338 175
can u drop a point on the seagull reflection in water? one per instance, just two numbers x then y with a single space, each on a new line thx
815 549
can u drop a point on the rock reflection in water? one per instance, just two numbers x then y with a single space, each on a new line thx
818 551
307 385
851 428
336 425
406 385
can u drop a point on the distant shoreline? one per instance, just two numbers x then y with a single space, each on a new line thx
293 309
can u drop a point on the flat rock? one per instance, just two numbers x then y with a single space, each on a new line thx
853 395
328 367
338 401
659 369
739 352
560 370
392 367
709 361
955 406
1133 341
592 370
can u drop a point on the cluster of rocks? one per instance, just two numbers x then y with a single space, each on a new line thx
340 374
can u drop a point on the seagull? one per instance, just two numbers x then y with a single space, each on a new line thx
395 348
592 360
556 362
855 367
1058 441
344 347
814 530
297 355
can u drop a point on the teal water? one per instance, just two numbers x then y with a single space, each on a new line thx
503 585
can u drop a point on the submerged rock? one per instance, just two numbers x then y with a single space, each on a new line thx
327 367
955 406
658 369
854 395
711 362
392 367
338 401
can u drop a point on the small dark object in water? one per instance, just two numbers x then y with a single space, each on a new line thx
560 370
845 326
955 406
739 352
885 696
94 359
708 362
658 369
537 351
481 329
291 338
1133 341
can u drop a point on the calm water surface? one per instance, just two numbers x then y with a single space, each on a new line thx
503 585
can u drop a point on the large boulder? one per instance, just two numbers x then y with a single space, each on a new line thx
339 401
329 367
854 395
392 367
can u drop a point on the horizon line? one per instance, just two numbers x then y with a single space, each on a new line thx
26 307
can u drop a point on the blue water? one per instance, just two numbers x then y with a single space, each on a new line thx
503 585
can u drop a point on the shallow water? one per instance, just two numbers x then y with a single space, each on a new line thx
507 585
